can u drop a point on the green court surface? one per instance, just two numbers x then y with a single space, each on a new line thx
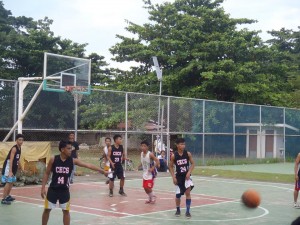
280 168
214 201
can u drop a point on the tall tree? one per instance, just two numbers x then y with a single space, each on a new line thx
287 43
202 54
23 42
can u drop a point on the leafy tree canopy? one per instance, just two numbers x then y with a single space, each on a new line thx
203 54
23 42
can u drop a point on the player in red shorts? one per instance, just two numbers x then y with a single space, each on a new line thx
149 170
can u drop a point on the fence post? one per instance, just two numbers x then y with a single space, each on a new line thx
260 135
168 130
284 135
233 115
15 106
203 134
76 117
126 125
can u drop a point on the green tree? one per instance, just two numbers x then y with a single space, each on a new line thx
287 43
23 42
202 54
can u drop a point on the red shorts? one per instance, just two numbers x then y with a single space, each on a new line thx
297 185
148 183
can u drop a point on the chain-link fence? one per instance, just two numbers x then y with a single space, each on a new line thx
8 93
212 129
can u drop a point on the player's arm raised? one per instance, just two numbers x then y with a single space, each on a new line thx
192 166
88 165
297 161
172 169
46 176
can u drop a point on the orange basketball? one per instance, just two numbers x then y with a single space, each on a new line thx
251 198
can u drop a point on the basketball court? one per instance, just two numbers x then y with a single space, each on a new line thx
214 201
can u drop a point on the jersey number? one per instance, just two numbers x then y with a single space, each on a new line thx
60 180
117 159
182 169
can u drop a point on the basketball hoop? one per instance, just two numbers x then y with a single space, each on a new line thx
76 91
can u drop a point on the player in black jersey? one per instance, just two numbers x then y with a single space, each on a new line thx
74 153
61 167
184 163
9 169
115 156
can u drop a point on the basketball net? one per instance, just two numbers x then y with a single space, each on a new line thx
75 91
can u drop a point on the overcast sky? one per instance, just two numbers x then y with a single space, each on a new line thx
97 22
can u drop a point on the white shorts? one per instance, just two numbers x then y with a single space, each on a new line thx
50 205
5 178
187 184
6 171
110 173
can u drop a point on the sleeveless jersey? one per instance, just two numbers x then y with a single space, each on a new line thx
61 172
15 163
146 164
182 163
116 154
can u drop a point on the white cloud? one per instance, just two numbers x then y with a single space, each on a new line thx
270 14
97 22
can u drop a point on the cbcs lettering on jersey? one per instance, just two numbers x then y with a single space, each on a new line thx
181 162
61 169
117 153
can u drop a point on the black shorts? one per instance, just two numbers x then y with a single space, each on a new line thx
54 195
181 183
118 172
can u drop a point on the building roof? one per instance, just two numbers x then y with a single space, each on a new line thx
278 125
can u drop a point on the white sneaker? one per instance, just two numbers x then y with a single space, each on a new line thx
296 205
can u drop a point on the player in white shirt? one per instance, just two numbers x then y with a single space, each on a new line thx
107 163
149 170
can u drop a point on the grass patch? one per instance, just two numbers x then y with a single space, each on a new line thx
238 161
244 175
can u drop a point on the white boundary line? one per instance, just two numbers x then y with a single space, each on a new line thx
41 206
169 210
265 212
240 182
198 178
78 206
203 196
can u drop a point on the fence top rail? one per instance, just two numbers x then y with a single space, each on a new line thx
168 96
5 80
